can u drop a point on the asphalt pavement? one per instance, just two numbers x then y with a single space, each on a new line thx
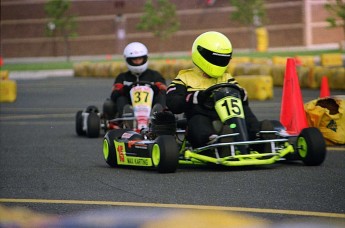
46 167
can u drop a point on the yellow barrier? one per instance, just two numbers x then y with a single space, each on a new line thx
4 74
278 60
8 90
332 60
277 73
305 60
309 76
82 69
337 81
262 60
259 87
240 60
262 39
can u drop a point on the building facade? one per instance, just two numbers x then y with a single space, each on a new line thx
106 26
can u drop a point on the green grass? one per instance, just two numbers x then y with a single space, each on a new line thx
69 65
37 66
286 53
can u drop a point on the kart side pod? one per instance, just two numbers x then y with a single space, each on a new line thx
123 147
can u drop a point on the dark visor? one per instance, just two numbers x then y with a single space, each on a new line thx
215 58
130 60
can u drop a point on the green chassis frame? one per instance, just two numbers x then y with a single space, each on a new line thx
193 157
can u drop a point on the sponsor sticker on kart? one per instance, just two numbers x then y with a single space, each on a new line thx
120 152
123 159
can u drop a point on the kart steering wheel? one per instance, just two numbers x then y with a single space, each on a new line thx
209 91
142 83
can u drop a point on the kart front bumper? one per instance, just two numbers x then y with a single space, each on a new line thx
253 158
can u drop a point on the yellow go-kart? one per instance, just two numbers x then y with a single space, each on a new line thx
164 145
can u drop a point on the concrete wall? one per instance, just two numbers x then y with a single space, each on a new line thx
291 23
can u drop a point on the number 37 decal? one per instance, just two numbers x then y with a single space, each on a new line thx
229 107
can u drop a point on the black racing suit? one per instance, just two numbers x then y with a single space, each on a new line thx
199 120
120 91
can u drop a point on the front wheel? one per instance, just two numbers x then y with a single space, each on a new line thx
109 151
165 154
311 146
79 123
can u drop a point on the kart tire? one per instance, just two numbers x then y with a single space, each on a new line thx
109 152
311 146
91 109
93 125
156 108
165 154
109 109
79 123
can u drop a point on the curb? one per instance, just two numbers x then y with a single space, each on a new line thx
40 74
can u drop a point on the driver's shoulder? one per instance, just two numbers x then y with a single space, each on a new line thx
226 77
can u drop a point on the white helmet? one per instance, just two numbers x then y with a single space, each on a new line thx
135 50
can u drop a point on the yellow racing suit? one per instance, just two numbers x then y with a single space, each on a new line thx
180 99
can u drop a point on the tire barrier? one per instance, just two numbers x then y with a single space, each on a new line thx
8 88
309 73
259 87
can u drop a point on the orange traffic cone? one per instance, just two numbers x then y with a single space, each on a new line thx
324 89
292 114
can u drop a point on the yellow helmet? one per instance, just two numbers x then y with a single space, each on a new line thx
211 52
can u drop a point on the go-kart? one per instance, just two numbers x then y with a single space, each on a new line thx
164 145
91 121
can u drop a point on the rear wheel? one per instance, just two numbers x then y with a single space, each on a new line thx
91 108
79 123
93 125
311 146
109 151
165 154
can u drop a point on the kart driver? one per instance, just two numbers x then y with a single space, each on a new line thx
211 54
136 56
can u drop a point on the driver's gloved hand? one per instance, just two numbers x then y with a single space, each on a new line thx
244 94
158 87
155 89
196 97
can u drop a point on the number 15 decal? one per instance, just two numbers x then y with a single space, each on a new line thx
229 107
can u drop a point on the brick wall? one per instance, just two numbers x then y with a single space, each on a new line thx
23 23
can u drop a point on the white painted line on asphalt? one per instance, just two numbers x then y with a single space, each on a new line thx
40 74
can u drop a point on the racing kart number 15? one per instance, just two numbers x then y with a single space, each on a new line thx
229 107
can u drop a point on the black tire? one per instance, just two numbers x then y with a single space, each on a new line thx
311 146
109 109
165 154
79 123
156 108
91 109
109 152
93 125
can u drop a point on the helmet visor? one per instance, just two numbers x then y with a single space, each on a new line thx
218 59
137 61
